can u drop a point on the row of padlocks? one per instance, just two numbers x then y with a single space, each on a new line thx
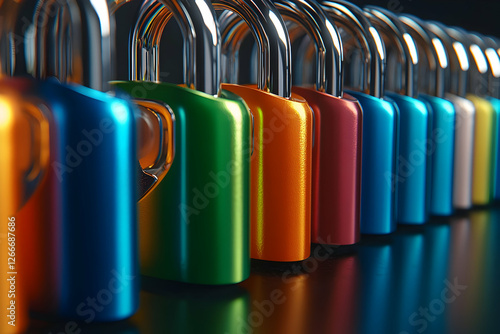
102 181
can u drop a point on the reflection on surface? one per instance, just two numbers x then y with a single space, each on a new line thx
441 277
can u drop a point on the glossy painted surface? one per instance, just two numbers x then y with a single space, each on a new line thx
83 218
415 121
336 176
465 115
440 277
23 163
281 175
441 146
484 136
496 147
379 164
194 227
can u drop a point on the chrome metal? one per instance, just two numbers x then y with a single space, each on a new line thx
324 33
27 33
396 37
434 55
271 36
488 47
307 14
353 20
202 42
477 74
456 80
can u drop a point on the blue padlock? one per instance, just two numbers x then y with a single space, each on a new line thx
441 144
413 177
83 219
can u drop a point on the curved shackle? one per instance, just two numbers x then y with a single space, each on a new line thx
201 47
493 60
433 51
308 16
395 33
36 17
477 74
91 31
493 45
326 37
270 33
352 19
456 80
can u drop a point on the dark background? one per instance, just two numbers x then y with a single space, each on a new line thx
479 15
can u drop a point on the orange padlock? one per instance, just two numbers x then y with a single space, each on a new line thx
283 137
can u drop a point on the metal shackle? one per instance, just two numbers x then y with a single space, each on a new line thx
270 33
489 50
199 28
396 37
351 18
455 79
329 52
433 52
308 16
477 75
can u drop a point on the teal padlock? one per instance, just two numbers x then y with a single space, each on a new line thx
414 173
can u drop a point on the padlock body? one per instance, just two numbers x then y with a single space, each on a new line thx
484 156
194 226
281 175
464 151
496 147
414 161
336 167
441 146
14 168
379 164
83 218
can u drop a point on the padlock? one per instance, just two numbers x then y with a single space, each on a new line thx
336 166
24 137
380 119
485 122
440 146
493 56
82 221
455 88
336 177
282 158
194 227
492 96
413 177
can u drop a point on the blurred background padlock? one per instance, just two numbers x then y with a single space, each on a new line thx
485 121
90 131
455 91
24 138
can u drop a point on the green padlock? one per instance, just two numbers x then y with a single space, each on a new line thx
194 227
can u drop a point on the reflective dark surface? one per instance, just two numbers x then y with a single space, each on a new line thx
441 277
